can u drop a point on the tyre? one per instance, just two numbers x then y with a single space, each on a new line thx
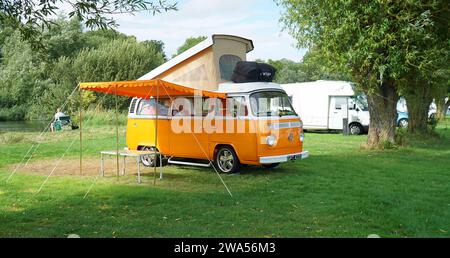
226 160
403 123
149 160
271 166
356 129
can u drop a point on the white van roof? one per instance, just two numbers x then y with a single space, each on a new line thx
330 88
248 87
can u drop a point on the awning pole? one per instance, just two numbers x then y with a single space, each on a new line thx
156 134
81 131
117 134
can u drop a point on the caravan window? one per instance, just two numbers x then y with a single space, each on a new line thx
227 64
339 102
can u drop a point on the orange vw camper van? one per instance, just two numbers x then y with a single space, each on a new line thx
255 125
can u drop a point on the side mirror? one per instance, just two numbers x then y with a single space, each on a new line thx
174 112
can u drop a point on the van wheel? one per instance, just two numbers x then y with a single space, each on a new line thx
403 123
226 160
149 160
356 129
271 166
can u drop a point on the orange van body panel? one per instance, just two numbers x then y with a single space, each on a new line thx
249 144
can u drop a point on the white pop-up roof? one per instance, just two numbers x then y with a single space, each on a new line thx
205 65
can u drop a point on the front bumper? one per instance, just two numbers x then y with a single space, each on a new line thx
284 158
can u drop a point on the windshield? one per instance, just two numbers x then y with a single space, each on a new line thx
271 103
361 102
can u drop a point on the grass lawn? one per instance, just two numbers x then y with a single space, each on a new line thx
342 190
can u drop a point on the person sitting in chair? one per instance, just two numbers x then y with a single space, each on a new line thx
58 114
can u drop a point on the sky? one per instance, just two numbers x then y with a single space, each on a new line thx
254 19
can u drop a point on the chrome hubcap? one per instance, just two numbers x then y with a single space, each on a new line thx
355 130
148 160
225 161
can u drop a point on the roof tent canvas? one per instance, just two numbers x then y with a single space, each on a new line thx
205 65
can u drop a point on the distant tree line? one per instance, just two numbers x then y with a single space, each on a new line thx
313 67
33 83
29 18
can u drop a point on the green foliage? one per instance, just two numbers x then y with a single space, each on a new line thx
382 44
33 84
189 43
19 73
95 38
65 39
99 118
14 113
117 60
400 136
30 19
287 71
314 67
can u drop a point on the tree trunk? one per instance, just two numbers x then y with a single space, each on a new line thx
418 101
442 105
383 115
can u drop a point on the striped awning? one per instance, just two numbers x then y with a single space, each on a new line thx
147 89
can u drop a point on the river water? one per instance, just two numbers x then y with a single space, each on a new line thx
22 126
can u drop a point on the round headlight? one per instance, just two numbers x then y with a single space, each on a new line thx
271 140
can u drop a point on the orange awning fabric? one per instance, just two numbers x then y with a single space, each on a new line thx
147 89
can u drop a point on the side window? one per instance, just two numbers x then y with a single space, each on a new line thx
146 107
182 107
236 106
163 107
338 102
212 107
227 64
197 106
133 106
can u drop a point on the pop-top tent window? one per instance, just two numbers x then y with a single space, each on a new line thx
227 64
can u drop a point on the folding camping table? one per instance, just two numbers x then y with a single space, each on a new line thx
136 154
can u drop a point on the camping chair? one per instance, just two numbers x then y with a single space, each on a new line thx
63 123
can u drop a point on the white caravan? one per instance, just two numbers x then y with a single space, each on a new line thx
323 105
